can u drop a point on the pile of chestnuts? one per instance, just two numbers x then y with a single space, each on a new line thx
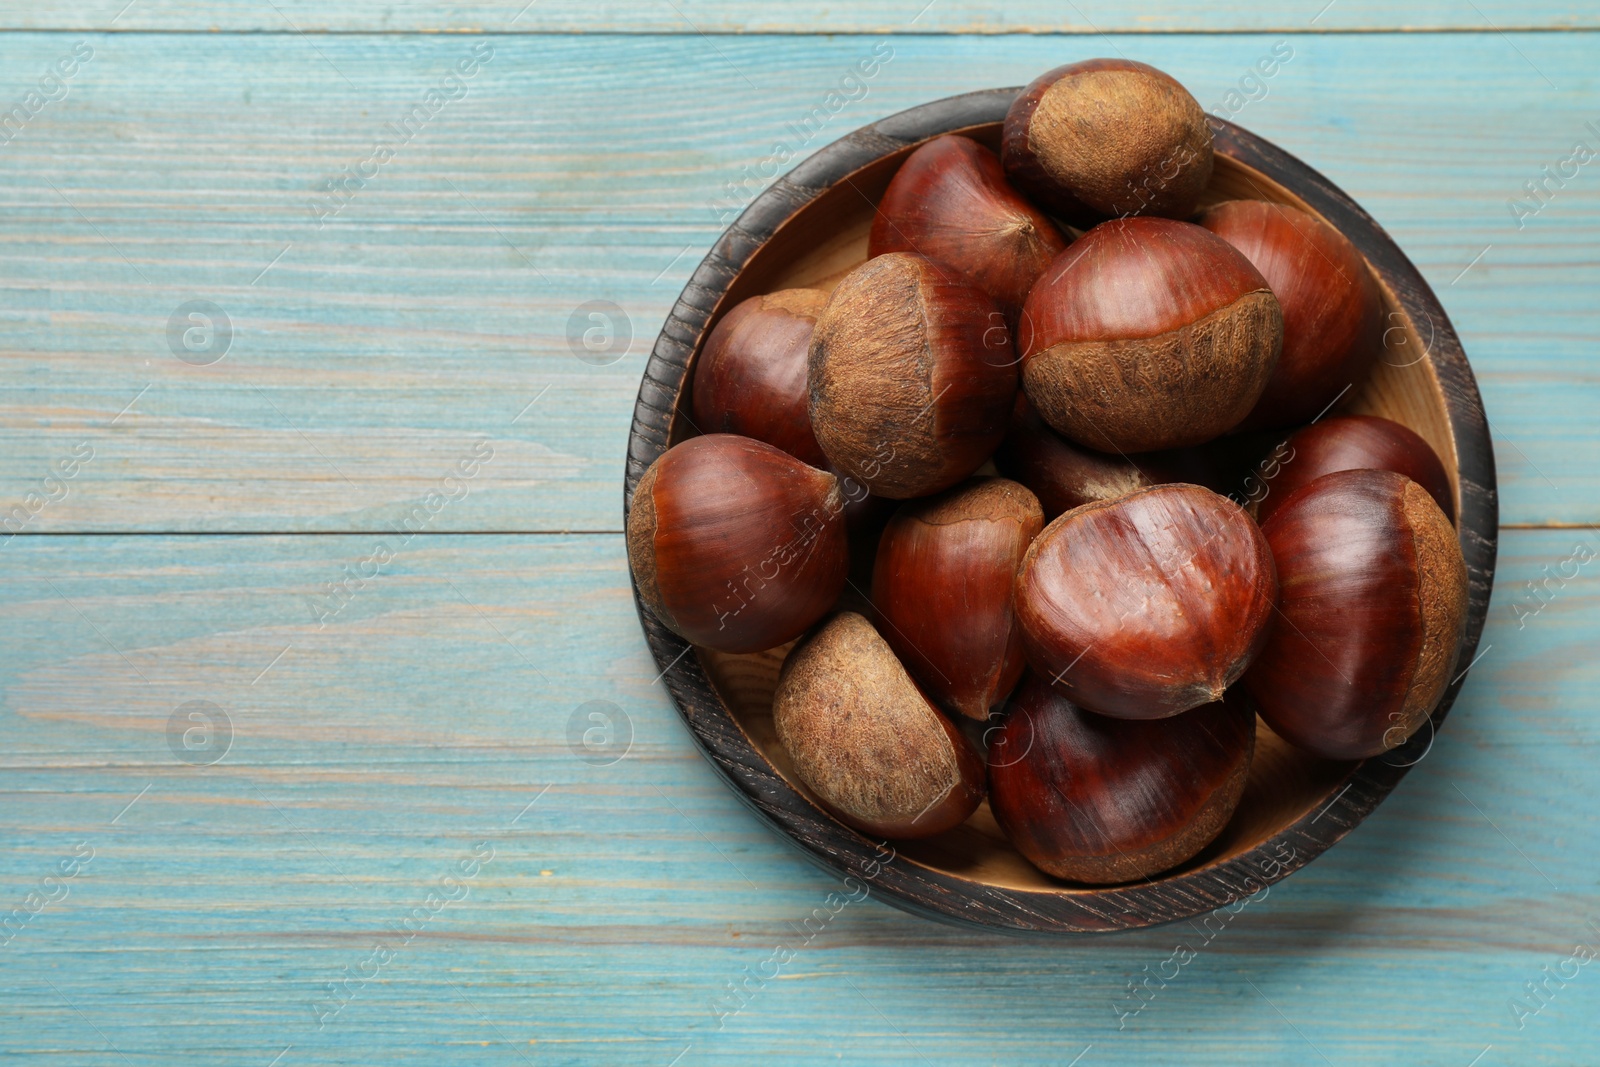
1024 425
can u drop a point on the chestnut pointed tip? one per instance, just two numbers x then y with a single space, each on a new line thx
968 705
833 499
1146 641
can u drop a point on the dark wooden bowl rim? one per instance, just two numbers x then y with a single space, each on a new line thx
934 893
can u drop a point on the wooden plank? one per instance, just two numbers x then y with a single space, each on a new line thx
785 16
371 756
371 356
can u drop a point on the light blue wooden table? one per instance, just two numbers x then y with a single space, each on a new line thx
308 597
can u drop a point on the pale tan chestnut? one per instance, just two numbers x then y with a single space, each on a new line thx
1108 137
866 741
911 375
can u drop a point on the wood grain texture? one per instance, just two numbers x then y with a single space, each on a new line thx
378 750
791 16
375 351
219 905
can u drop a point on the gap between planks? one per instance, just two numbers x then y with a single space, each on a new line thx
1013 31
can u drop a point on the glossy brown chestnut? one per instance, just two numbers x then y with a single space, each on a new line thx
750 379
866 741
750 376
1355 442
1147 605
1148 334
912 374
1099 800
1061 474
736 545
942 587
1064 475
950 201
1332 313
1374 595
1108 137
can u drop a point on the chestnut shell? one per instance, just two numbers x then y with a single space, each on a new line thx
1064 475
1373 605
1100 800
750 377
1106 137
1061 474
866 741
736 545
1332 311
1354 442
942 587
911 375
1147 605
950 201
1148 334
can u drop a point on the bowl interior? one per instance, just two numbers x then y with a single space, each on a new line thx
823 242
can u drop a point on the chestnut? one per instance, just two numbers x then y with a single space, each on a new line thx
1332 312
1374 605
1108 137
750 379
911 376
865 740
1064 475
1100 800
1148 605
1353 442
1148 334
950 201
942 589
736 545
750 376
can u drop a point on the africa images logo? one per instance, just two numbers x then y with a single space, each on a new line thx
52 88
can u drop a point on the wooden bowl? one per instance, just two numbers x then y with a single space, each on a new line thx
811 227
